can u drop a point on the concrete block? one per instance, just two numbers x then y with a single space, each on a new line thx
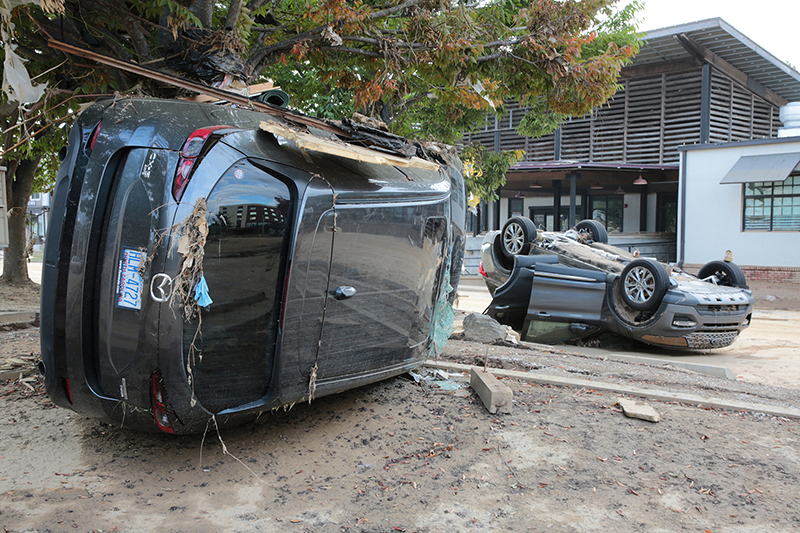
639 410
494 394
16 317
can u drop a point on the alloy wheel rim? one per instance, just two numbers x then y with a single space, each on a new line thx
640 285
513 238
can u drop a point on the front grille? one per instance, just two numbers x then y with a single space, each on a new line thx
707 340
716 310
716 328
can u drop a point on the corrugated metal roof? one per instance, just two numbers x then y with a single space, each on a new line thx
728 43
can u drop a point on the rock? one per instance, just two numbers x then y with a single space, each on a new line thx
634 409
483 328
770 297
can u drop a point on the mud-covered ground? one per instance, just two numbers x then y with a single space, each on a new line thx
403 456
399 456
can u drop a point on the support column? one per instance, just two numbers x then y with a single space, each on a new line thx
556 205
573 192
643 208
705 105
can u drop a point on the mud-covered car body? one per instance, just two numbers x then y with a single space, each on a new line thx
567 286
324 259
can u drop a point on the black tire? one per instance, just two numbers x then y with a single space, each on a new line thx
722 273
593 228
643 284
517 235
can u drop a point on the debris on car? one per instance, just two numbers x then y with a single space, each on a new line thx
213 261
558 287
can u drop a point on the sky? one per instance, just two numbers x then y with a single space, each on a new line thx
772 24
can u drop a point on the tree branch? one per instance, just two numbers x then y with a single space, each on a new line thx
349 50
234 10
315 34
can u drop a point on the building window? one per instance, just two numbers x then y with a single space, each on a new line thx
772 205
608 211
542 217
667 214
515 207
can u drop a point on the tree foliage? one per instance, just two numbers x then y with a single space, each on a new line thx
427 68
485 171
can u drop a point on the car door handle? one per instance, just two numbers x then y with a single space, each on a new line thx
543 314
344 292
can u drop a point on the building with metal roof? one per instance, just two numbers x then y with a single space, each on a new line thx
694 83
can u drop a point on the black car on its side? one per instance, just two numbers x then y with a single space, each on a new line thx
212 261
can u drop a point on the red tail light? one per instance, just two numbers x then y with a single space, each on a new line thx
191 149
481 271
95 133
159 403
69 391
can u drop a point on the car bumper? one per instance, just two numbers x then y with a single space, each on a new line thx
693 327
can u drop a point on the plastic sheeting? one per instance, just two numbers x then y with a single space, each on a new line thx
204 62
17 82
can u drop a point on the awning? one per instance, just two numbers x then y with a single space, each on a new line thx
768 167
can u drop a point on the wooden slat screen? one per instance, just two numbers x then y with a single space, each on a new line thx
645 121
737 114
575 139
681 113
608 142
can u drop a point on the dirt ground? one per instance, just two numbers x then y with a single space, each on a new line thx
403 456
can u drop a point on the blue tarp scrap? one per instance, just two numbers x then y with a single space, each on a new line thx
201 293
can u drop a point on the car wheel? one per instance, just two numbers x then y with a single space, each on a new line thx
594 228
517 235
722 273
643 283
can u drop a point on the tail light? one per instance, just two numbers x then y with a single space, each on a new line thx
189 153
158 400
68 389
89 146
481 271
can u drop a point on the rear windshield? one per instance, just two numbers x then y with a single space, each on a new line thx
249 213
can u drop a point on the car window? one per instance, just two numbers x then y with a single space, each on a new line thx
249 214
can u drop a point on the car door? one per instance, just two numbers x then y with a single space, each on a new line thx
384 270
562 300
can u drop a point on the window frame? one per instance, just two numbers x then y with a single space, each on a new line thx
607 198
792 181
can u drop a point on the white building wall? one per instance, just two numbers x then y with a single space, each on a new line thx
652 205
714 212
630 213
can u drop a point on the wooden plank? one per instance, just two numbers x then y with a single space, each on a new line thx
701 53
663 67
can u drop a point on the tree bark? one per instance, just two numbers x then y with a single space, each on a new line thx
234 10
19 183
203 10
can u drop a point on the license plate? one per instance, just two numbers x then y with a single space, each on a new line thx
129 282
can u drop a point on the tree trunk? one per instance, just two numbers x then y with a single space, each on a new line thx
234 10
19 184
